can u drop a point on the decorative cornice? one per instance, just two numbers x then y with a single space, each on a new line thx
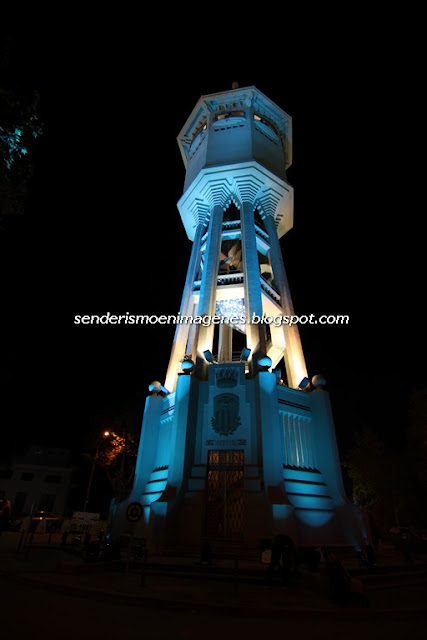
199 212
244 182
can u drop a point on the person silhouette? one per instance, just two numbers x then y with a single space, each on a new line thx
283 557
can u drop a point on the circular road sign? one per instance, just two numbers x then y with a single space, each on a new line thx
134 512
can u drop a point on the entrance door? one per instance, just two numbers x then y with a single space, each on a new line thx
225 494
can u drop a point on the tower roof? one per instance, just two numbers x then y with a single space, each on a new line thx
234 99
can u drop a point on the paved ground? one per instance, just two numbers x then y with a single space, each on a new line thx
31 613
58 586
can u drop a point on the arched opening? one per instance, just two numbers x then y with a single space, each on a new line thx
231 214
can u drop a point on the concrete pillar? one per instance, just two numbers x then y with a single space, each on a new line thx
147 443
256 340
207 300
179 435
296 368
182 330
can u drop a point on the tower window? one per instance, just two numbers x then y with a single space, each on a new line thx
266 127
229 114
228 120
198 138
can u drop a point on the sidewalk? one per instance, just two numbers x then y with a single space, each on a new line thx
396 588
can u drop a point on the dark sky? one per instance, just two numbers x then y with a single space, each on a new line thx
102 231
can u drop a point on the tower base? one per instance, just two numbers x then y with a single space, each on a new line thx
239 460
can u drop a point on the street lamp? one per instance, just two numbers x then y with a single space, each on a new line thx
105 435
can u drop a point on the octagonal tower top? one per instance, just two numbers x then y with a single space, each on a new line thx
233 109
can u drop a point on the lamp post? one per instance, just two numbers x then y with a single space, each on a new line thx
105 434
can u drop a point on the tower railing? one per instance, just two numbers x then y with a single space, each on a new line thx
230 278
269 289
236 356
231 224
263 234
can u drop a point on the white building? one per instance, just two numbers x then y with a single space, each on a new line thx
38 479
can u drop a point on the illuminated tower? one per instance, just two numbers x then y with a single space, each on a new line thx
228 449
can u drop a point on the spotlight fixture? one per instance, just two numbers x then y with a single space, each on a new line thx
187 365
209 357
246 352
304 384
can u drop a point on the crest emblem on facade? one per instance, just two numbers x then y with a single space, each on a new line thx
226 414
226 377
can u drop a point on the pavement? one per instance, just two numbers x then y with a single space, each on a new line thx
230 586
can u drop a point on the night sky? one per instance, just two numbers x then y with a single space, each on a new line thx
102 231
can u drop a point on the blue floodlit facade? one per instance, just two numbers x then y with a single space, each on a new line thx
229 450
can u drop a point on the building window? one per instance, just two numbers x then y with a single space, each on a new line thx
27 475
53 478
46 502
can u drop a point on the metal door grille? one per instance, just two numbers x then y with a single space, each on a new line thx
225 494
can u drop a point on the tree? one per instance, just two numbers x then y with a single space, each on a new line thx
116 452
118 457
378 476
20 129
